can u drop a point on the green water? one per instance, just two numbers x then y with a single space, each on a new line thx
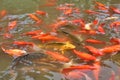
46 70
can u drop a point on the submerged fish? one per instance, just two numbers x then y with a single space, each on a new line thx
74 38
62 46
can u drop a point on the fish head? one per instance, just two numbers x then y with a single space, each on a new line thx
68 45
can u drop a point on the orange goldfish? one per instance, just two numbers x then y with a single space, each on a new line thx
100 6
68 11
33 33
84 56
111 49
78 22
94 41
48 38
59 24
14 52
3 13
97 70
80 67
91 12
89 32
35 18
94 50
11 25
41 13
57 56
23 43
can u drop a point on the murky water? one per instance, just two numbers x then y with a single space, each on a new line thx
40 66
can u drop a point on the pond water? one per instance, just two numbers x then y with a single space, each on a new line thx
41 66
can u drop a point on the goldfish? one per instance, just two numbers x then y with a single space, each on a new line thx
84 56
91 12
77 74
35 18
57 56
78 22
100 6
68 11
48 38
33 33
23 43
94 41
110 49
41 12
89 32
101 29
7 35
79 67
115 24
94 50
12 25
14 52
113 10
62 46
115 40
3 13
58 24
96 71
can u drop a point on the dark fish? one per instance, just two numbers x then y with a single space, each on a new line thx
74 38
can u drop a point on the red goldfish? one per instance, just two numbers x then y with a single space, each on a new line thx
114 10
115 24
115 40
100 28
111 49
94 51
15 52
94 41
57 56
84 56
80 67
